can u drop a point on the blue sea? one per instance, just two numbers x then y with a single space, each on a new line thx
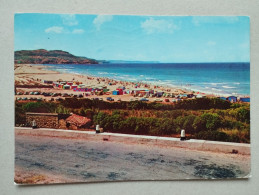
213 78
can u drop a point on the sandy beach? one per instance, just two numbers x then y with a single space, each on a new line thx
26 74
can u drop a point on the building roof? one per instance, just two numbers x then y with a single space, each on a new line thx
78 120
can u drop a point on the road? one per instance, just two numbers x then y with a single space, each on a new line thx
90 161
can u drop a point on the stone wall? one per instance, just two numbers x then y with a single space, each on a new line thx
43 120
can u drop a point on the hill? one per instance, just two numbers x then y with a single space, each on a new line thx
42 56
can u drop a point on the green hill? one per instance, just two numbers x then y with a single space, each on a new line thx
42 56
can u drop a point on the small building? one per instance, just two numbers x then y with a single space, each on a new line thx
57 121
77 122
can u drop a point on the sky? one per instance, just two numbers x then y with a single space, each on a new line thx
165 39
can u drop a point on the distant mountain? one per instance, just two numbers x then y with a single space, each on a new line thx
42 56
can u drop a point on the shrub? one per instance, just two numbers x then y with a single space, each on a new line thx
243 114
212 121
42 107
213 135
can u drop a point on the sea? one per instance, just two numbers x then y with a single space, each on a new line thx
221 79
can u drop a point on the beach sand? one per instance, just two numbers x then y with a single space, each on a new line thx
26 74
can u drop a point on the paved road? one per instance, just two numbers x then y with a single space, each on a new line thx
101 161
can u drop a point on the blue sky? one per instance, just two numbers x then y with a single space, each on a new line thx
139 38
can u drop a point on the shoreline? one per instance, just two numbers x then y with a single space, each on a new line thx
30 74
186 87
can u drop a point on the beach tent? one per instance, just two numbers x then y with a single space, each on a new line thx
73 86
81 85
47 82
159 93
232 98
190 95
55 84
66 87
105 90
116 92
120 91
200 96
244 99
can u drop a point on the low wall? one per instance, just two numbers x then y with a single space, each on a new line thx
43 120
225 147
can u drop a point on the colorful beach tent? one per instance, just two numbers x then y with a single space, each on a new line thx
66 87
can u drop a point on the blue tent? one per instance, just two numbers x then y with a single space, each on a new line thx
232 98
115 92
244 99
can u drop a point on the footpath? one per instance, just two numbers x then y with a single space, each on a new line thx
201 145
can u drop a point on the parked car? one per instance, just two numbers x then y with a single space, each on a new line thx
46 94
109 99
144 99
65 95
158 100
166 100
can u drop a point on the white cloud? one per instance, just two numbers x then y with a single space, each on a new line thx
78 31
69 19
198 20
211 43
100 19
55 29
158 26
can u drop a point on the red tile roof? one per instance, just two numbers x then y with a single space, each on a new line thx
78 120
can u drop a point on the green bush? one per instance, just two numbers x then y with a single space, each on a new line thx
41 107
213 135
212 121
